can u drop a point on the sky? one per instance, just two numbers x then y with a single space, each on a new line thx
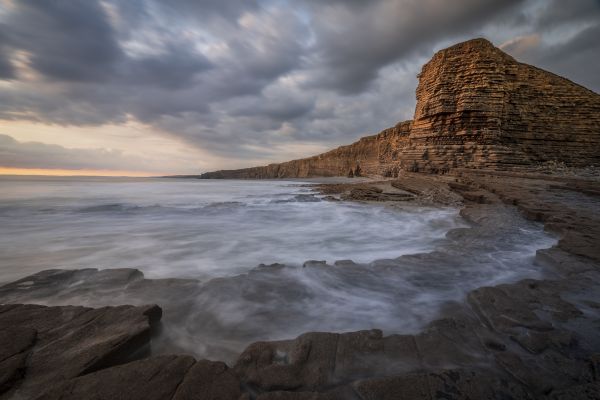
152 87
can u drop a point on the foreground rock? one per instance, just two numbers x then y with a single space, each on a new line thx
154 378
82 353
42 346
524 356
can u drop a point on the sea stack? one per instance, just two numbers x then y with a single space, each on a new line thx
477 107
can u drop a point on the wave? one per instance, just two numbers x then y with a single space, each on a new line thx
124 208
111 208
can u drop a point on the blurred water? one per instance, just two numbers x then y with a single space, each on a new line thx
196 228
411 263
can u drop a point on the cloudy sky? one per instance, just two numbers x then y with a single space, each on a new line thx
186 86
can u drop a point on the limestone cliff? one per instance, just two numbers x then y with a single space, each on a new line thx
372 155
477 107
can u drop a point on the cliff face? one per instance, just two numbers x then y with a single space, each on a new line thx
477 107
371 155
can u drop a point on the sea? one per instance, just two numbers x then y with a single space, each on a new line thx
190 228
409 263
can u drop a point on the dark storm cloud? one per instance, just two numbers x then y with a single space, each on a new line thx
75 44
284 110
557 12
240 78
7 71
577 58
354 46
171 69
203 9
75 41
572 55
67 40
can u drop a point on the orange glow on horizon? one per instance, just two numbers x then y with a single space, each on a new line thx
72 172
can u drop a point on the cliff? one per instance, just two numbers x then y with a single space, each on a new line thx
372 155
477 107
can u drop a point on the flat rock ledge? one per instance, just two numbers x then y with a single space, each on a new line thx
533 339
82 353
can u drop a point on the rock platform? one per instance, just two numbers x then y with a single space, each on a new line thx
532 339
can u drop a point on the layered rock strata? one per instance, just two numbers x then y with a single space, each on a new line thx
372 155
477 107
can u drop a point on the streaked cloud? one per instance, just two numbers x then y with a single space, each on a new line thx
244 82
14 154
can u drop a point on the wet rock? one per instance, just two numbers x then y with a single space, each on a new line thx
300 198
12 370
450 342
16 343
374 193
564 263
504 311
305 363
363 193
342 263
316 361
428 189
15 339
314 263
52 344
445 384
331 198
358 355
209 380
587 391
155 378
49 284
340 393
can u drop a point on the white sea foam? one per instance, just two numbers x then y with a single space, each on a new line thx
196 228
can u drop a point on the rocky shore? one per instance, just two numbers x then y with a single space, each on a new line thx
490 127
532 339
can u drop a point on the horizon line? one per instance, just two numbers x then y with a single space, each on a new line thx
59 172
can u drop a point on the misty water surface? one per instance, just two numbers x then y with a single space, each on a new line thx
196 228
410 262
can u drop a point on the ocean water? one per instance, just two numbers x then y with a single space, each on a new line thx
412 264
196 228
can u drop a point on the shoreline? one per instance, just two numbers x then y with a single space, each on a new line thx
528 339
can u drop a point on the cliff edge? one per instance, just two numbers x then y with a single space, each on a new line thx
477 107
